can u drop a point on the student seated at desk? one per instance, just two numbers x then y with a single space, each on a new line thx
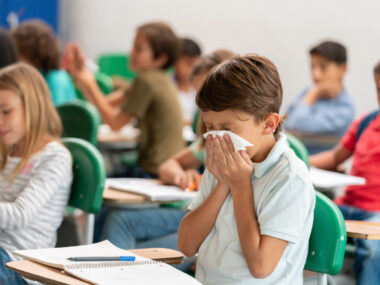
251 221
189 56
181 169
36 169
325 108
8 53
360 202
38 46
152 97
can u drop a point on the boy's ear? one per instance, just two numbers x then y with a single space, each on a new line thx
270 123
343 68
160 61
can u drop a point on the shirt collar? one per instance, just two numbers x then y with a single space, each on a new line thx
274 155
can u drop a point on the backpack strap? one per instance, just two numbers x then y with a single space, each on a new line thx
365 123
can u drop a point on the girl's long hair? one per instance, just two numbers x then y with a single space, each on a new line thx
41 118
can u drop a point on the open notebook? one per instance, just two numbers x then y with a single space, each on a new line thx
329 179
141 271
149 188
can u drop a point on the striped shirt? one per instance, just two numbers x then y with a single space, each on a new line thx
32 207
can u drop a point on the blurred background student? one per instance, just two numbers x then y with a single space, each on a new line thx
38 46
325 108
8 53
152 97
189 55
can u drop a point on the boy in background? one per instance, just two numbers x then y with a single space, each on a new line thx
360 202
190 53
325 108
151 98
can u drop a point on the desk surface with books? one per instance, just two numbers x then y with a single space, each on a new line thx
135 191
51 266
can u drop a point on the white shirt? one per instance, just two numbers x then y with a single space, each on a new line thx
188 104
32 207
284 200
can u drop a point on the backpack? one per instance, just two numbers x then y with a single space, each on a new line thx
365 123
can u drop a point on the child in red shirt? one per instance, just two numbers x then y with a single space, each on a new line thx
360 202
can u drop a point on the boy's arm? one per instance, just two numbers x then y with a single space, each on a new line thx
330 159
116 98
262 253
198 223
110 115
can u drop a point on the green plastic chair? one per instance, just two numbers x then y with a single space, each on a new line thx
116 64
328 238
299 148
88 183
80 119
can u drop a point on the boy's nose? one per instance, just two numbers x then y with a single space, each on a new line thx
317 75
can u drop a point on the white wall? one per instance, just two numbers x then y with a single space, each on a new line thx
284 31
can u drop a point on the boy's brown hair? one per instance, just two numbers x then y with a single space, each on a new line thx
332 51
35 41
376 69
208 61
162 40
248 83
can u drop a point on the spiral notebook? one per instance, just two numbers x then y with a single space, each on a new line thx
141 271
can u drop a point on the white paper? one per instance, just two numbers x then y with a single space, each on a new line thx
147 187
329 179
58 257
156 273
238 142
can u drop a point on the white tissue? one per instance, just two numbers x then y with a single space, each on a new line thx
238 142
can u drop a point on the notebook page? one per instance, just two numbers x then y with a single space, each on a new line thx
149 273
329 179
57 257
146 187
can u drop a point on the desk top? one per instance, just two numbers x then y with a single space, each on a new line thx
363 230
49 275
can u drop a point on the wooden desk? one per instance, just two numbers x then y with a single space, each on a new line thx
363 230
49 275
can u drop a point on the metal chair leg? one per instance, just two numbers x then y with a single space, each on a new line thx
89 230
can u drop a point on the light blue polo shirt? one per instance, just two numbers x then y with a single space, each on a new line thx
284 200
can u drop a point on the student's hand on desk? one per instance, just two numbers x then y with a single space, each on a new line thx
234 168
189 179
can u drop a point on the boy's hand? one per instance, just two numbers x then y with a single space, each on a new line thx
189 179
234 168
74 62
210 159
328 89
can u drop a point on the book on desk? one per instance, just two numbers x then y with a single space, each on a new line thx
141 271
151 189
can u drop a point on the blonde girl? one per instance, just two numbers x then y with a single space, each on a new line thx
35 168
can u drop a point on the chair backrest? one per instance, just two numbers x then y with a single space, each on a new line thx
116 64
328 238
299 148
89 175
80 119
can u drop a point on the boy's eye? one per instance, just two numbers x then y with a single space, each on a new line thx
6 112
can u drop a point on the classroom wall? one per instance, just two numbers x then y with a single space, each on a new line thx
281 30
